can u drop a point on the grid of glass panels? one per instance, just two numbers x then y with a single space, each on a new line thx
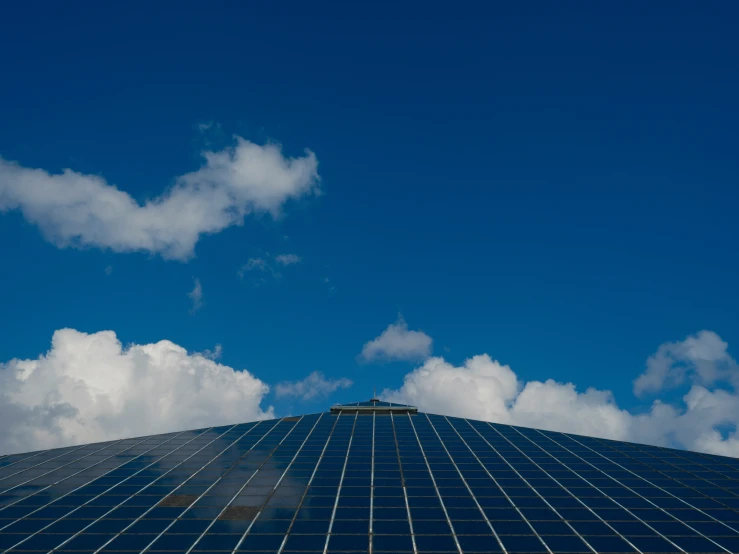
368 482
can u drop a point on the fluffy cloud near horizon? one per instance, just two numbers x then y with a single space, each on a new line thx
485 389
89 387
314 386
702 358
75 209
397 342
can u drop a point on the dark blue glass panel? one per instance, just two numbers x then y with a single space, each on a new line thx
523 543
41 541
349 542
131 542
87 542
174 542
479 543
392 543
652 544
217 542
566 544
609 543
261 543
695 544
305 542
435 543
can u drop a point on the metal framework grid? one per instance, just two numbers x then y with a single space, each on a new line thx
378 481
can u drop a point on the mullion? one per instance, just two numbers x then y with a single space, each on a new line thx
139 518
641 496
653 485
497 484
28 455
341 482
84 504
436 488
69 477
372 483
213 484
484 515
43 462
403 483
310 481
576 497
269 456
142 489
645 480
241 540
681 469
60 467
706 457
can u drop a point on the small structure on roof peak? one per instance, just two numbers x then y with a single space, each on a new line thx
373 405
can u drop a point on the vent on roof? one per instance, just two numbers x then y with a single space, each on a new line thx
178 500
240 513
291 418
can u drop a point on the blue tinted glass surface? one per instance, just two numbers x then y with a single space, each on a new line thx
396 481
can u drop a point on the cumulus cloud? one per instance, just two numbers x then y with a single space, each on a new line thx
397 342
196 295
75 209
314 386
485 389
702 358
88 387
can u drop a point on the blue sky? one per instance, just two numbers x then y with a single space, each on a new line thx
555 186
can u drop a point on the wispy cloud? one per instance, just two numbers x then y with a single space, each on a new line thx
75 209
288 259
329 285
196 295
214 354
314 386
267 265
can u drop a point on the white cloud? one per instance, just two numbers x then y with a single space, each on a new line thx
108 269
287 259
196 295
397 343
314 386
702 358
74 209
88 388
484 389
